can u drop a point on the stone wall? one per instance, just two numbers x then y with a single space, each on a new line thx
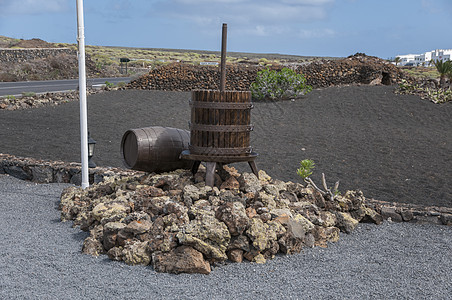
44 171
23 55
356 69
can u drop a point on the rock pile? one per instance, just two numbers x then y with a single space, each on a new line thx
45 99
23 55
25 102
177 224
356 69
185 77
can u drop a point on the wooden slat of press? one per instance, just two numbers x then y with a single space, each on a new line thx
240 121
216 121
246 120
193 120
234 119
222 121
227 136
212 122
205 120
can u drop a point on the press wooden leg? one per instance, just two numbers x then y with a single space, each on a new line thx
254 168
210 173
195 167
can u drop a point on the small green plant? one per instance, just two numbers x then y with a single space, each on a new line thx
285 84
109 84
305 170
28 94
263 61
10 97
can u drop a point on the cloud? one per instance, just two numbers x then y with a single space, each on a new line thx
437 6
308 2
262 30
316 33
247 16
18 7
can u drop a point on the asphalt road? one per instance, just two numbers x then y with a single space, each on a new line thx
17 88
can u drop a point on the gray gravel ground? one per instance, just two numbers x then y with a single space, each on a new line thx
40 259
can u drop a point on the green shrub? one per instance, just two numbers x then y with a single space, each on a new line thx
263 61
271 84
109 84
28 94
305 169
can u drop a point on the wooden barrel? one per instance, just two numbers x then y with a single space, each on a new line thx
155 149
220 123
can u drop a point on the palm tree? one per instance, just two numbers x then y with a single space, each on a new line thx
449 74
397 60
443 69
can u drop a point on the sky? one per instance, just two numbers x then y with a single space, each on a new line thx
338 28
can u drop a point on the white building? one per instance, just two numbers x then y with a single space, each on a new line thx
425 58
407 59
443 55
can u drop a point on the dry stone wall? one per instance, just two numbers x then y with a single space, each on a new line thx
356 69
184 77
45 171
23 55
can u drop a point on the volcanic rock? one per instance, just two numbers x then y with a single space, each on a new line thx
183 259
183 226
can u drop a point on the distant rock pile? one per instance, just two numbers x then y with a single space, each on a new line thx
356 69
177 224
185 77
39 100
23 55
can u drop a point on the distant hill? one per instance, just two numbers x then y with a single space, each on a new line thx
104 61
6 42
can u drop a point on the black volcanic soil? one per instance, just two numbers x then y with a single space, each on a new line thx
393 147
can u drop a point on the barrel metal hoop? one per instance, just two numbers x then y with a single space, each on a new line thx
222 128
220 105
219 151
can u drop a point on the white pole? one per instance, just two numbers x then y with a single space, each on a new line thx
82 94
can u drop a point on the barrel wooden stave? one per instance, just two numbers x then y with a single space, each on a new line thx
155 149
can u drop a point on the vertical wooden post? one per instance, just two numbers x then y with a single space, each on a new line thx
223 58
